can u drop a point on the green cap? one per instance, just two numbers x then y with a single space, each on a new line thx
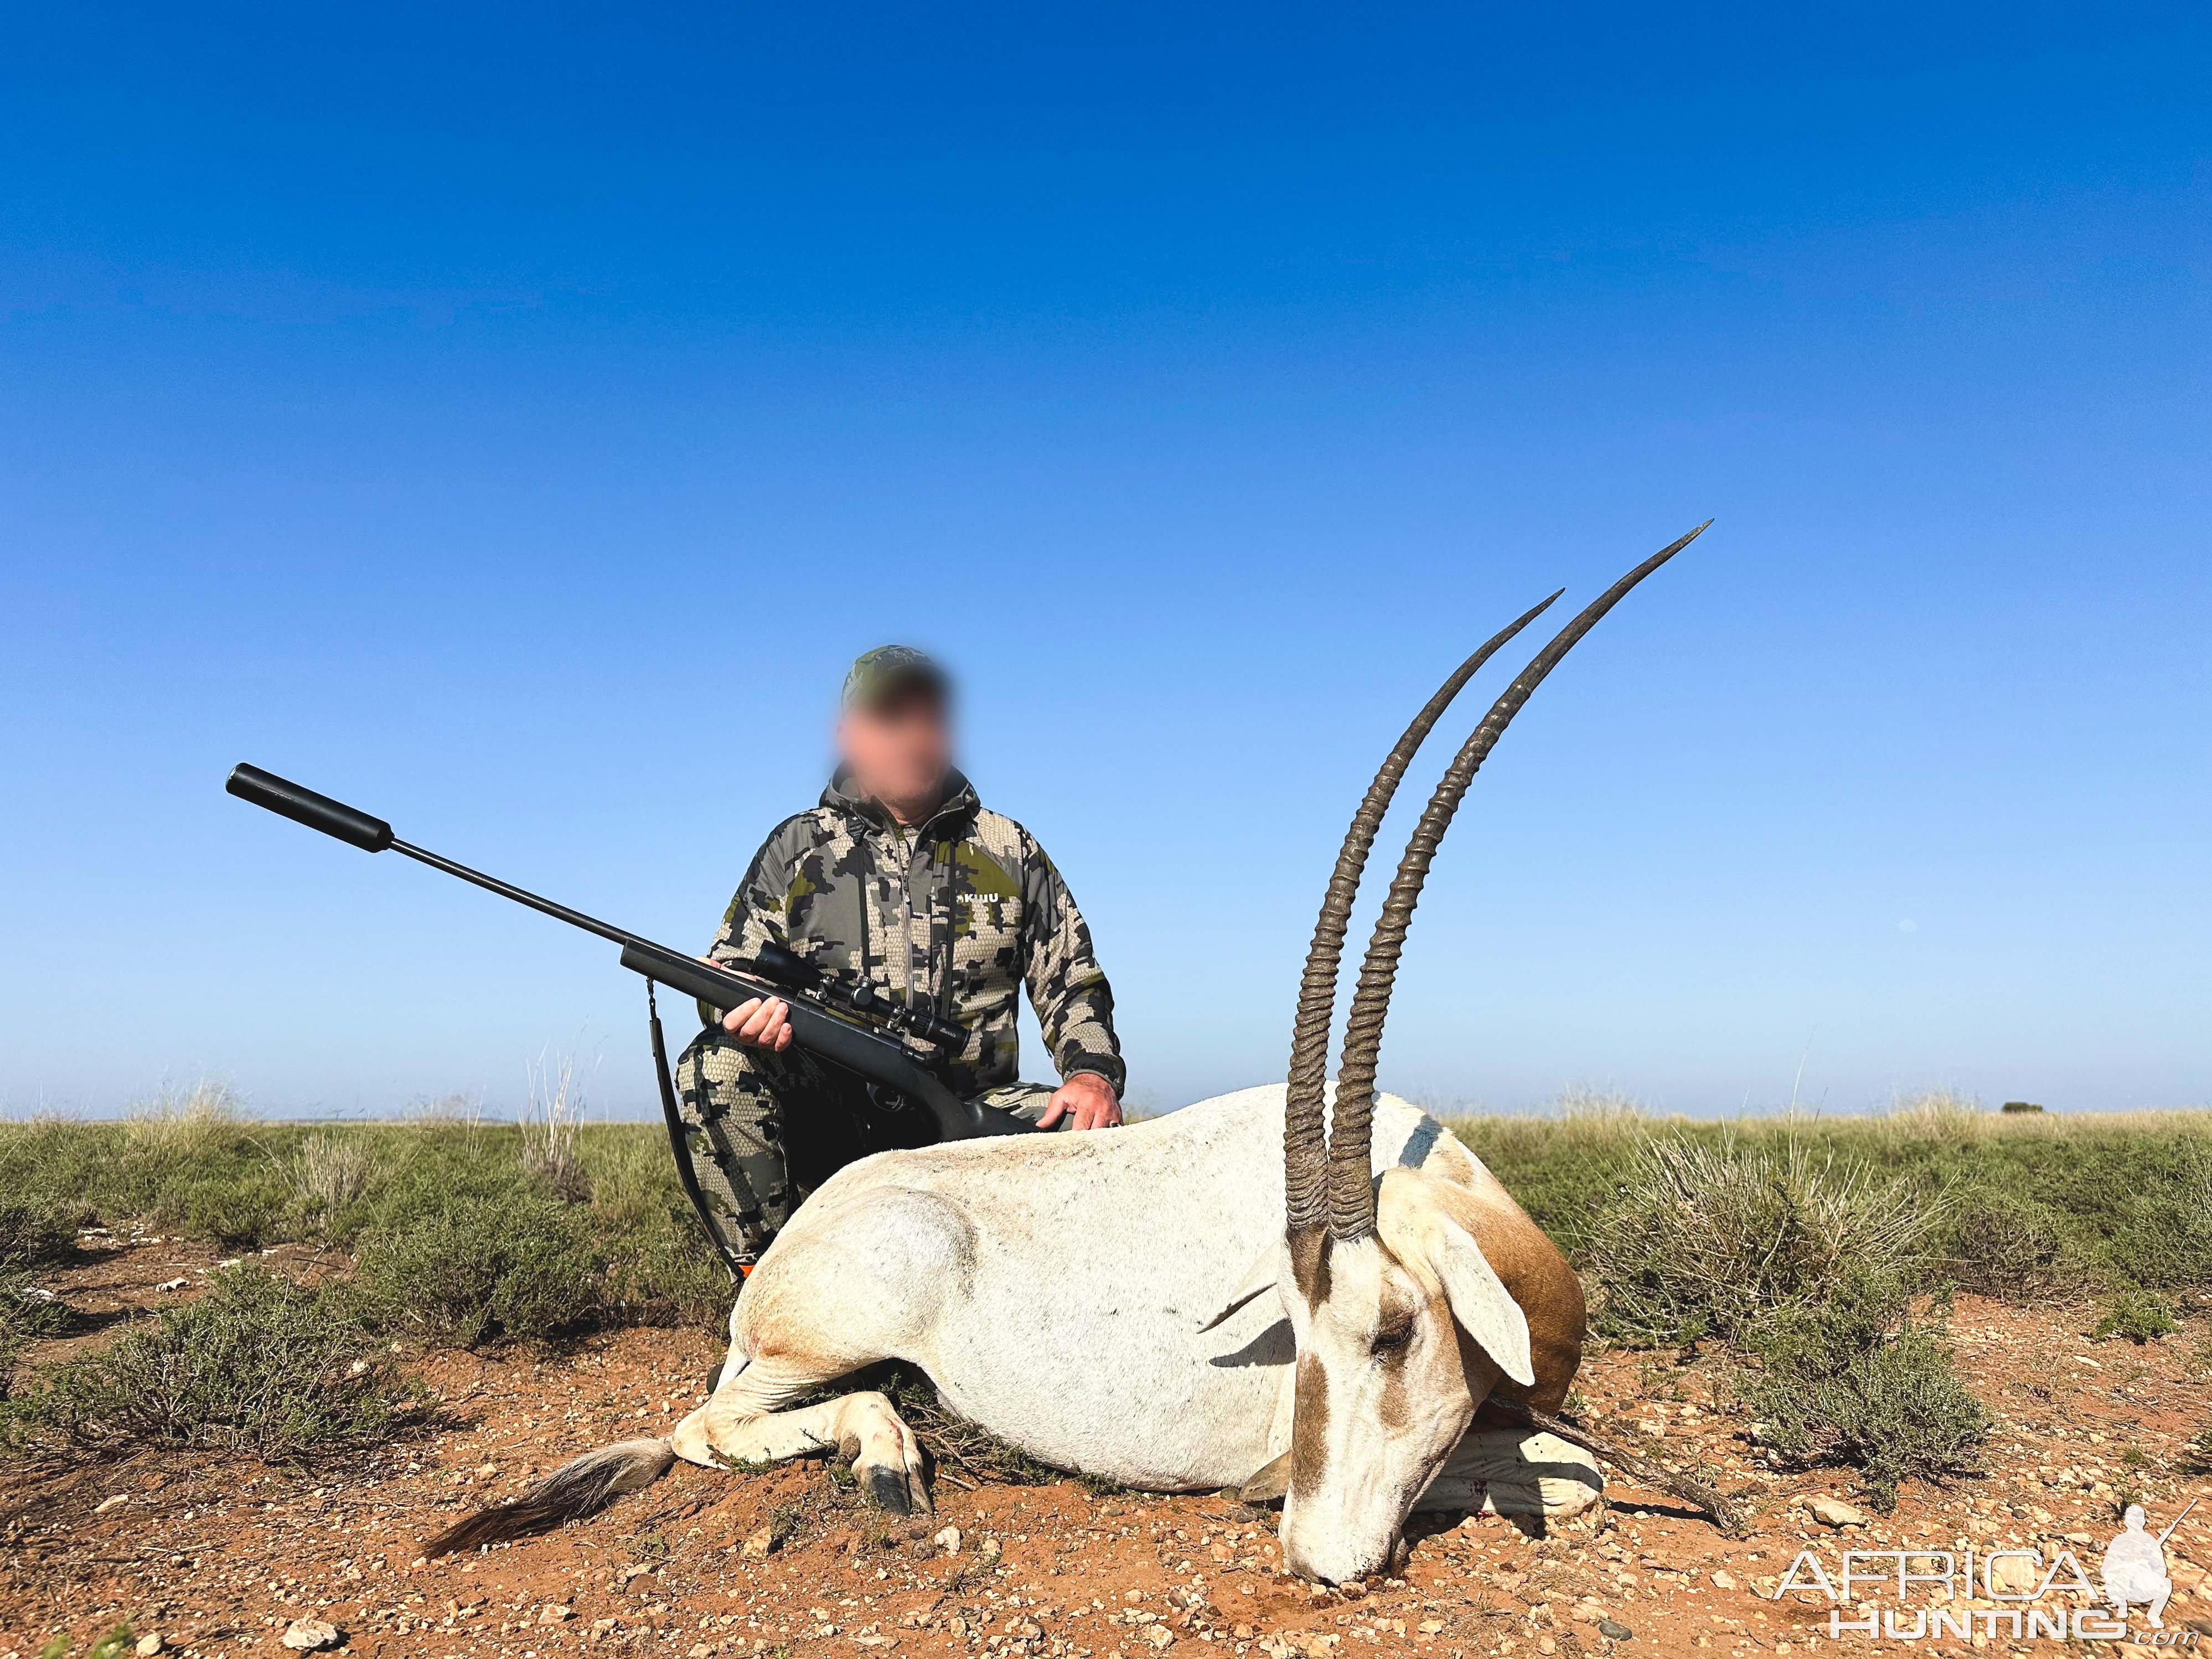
875 675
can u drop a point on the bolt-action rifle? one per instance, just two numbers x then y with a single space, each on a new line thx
850 1026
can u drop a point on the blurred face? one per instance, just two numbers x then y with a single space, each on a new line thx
898 750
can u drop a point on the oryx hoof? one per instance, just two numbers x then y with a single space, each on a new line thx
891 1489
895 1490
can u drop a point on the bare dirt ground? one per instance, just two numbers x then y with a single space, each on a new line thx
218 1559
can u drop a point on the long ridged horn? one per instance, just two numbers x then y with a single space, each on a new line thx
1304 1147
1350 1185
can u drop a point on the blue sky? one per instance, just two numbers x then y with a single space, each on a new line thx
512 418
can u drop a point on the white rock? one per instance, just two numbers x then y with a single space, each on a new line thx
309 1636
168 1284
152 1642
114 1503
1834 1512
948 1540
554 1614
2014 1575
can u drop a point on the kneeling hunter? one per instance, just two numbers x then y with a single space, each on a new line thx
899 880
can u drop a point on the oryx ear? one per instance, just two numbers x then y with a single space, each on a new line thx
1258 1279
1419 1217
1268 1482
1480 1303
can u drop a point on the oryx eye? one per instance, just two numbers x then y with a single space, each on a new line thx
1391 1338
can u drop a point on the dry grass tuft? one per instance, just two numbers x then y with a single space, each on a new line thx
1942 1115
329 1171
552 1124
182 1121
1600 1112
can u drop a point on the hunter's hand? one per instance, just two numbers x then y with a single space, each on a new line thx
763 1023
1090 1097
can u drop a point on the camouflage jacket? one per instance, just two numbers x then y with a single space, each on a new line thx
965 908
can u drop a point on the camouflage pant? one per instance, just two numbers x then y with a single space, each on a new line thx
767 1129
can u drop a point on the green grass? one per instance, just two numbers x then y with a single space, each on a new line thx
116 1645
2021 1205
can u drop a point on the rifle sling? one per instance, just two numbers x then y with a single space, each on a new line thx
679 1144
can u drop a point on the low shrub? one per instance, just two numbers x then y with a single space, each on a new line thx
1998 1242
257 1365
37 1230
487 1270
669 1276
241 1209
17 1329
1709 1238
2160 1235
1856 1381
2141 1316
34 1232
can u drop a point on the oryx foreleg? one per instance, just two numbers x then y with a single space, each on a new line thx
740 1424
1515 1472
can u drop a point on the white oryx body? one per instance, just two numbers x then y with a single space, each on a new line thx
1053 1286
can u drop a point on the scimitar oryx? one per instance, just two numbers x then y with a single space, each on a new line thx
1338 1322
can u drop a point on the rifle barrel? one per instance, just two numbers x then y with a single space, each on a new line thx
2178 1520
878 1058
605 930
